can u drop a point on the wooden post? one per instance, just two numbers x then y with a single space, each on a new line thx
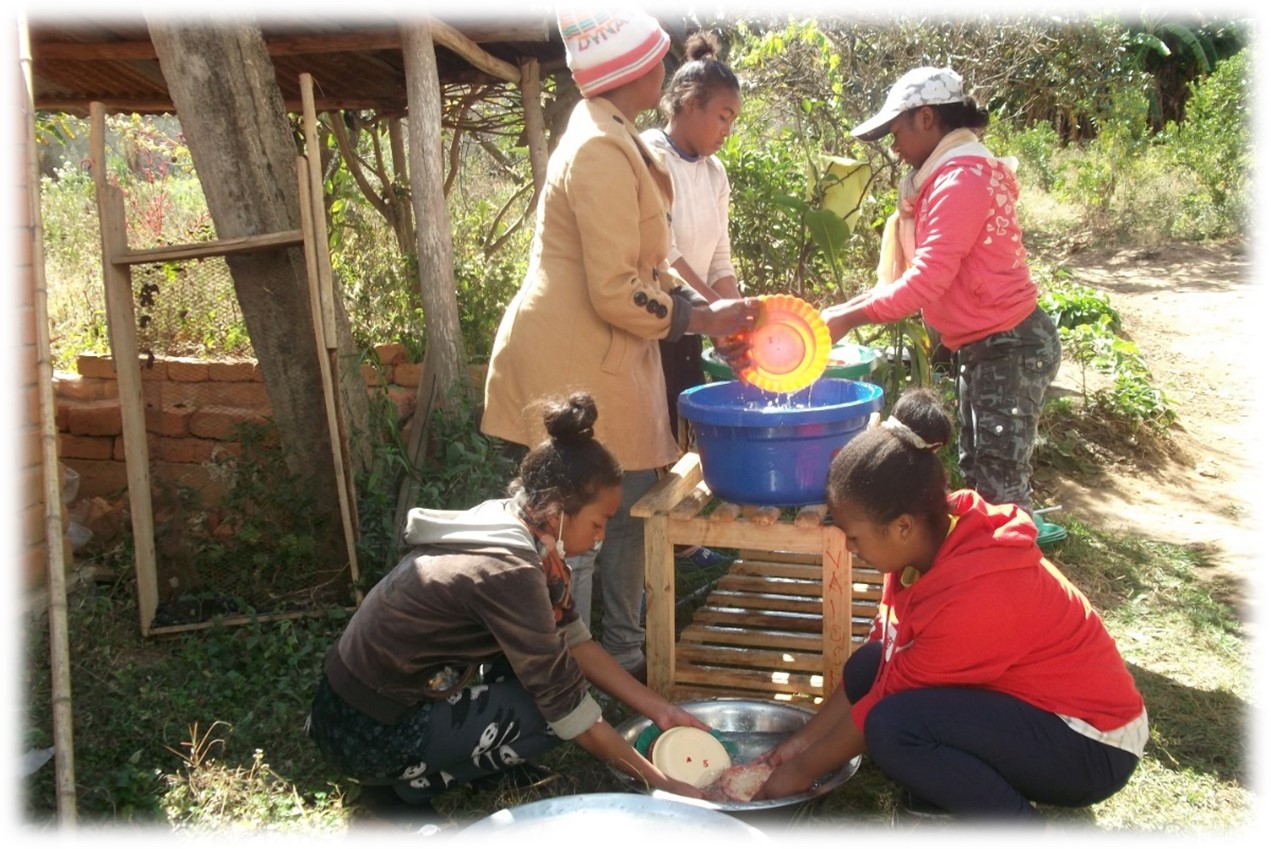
324 367
322 287
836 606
59 642
659 566
458 43
535 129
445 360
121 320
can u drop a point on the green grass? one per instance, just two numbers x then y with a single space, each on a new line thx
203 732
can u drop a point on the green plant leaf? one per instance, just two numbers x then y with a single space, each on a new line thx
829 231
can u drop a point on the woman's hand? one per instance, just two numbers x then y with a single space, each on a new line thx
843 317
724 317
789 779
733 350
786 750
668 715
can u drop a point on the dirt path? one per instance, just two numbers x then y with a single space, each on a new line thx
1191 311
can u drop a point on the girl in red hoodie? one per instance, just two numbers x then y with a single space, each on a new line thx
989 682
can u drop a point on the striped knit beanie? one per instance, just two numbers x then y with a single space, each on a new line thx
606 49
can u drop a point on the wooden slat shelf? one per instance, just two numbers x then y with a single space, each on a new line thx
783 619
709 633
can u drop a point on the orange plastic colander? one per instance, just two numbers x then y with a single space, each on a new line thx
790 346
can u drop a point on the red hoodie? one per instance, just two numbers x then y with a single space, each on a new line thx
993 613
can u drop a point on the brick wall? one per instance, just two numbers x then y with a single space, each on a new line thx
193 408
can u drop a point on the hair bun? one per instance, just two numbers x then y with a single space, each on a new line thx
702 44
572 420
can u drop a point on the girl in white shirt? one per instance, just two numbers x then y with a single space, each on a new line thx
701 103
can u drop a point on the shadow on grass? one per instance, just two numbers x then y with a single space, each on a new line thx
1195 730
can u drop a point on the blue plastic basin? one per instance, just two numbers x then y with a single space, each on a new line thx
757 447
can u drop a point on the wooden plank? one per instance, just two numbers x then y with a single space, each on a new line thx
773 603
685 693
670 489
768 584
798 571
767 660
692 503
121 321
317 229
303 174
322 298
775 682
702 633
759 620
836 606
455 41
745 535
805 555
215 248
659 587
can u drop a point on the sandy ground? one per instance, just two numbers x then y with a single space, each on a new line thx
1192 312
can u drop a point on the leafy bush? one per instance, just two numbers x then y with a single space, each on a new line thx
464 466
767 240
1131 399
1071 304
1034 146
378 284
1215 143
485 281
1091 180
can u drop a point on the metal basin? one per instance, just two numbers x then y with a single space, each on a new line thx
566 819
752 726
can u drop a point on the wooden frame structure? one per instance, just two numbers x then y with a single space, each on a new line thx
117 262
779 625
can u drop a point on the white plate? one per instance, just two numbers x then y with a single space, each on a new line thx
690 755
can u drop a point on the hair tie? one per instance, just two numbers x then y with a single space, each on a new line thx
906 434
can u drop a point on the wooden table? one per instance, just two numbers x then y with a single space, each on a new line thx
782 621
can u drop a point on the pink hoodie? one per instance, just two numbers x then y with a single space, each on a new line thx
993 613
969 275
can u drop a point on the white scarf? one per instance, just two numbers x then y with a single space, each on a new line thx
897 250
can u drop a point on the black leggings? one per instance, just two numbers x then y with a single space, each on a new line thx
980 753
481 730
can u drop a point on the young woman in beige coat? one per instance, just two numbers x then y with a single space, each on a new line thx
599 294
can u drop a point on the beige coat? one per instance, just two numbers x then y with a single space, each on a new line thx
596 297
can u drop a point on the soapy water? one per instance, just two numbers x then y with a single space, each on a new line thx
781 402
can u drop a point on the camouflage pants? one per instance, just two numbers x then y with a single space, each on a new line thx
481 730
1002 382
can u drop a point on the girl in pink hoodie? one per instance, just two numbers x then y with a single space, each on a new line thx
953 251
989 682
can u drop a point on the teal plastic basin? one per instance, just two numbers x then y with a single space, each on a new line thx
850 362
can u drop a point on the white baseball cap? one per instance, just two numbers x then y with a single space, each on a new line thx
920 87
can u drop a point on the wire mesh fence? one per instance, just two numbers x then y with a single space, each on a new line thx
234 534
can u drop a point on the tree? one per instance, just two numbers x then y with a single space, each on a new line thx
224 87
